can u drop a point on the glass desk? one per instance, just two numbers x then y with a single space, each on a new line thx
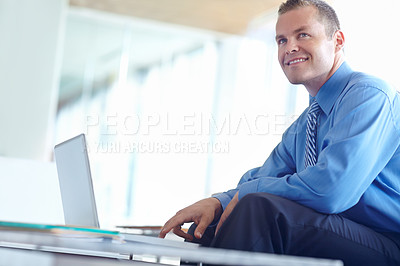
123 249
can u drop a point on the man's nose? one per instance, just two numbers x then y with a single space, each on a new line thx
292 47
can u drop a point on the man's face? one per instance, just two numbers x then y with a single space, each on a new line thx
305 53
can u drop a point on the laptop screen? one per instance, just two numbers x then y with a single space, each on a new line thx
76 183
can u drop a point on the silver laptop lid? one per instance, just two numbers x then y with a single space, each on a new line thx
76 182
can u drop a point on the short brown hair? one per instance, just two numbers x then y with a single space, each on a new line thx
326 13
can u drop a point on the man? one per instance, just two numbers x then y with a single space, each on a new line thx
331 188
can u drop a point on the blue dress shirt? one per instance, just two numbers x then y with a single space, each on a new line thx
358 169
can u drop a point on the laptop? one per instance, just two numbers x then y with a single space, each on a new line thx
77 193
75 181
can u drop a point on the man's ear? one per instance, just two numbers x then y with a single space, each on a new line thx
338 37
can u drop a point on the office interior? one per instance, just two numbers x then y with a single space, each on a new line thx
177 98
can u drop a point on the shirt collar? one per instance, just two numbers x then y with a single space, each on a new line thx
333 87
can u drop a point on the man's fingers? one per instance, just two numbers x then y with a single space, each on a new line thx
198 233
175 224
164 231
201 213
204 222
169 226
178 231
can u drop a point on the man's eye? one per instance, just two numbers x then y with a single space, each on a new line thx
281 41
302 35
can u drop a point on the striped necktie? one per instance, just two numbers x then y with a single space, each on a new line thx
311 134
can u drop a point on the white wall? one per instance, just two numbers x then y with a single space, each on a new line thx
30 48
372 38
29 192
29 65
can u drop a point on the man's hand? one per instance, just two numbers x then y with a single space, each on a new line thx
201 213
228 211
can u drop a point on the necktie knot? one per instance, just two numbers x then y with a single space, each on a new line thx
314 108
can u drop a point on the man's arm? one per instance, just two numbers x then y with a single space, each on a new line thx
361 140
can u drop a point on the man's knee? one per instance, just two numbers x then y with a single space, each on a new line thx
264 199
264 195
266 207
252 225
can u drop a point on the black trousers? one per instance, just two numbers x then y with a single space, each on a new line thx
263 222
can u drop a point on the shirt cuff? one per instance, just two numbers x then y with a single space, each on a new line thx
248 187
225 197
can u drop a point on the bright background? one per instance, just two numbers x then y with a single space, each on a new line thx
172 113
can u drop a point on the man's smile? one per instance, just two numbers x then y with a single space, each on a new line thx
296 61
